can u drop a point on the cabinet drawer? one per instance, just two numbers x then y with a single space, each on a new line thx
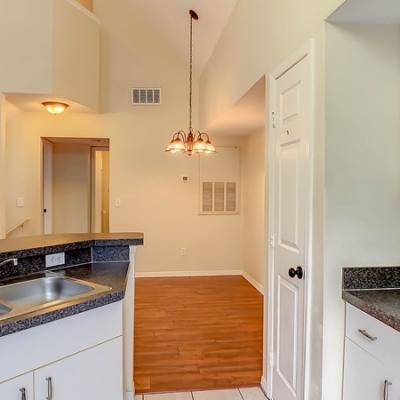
378 339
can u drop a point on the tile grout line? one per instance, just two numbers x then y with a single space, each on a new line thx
241 394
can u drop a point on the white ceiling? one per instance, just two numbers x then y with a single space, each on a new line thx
246 116
368 11
171 19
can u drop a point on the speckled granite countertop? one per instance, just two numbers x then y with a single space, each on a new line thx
111 274
37 245
101 259
376 291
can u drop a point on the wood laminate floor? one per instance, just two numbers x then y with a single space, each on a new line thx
196 333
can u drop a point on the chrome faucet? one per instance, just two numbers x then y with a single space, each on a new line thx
9 260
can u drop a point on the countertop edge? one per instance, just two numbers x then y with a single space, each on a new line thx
371 310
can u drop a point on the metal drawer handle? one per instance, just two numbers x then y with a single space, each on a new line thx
49 389
386 390
367 335
23 393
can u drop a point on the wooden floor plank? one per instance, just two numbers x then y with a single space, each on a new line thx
195 333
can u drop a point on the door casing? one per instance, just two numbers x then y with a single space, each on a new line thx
306 50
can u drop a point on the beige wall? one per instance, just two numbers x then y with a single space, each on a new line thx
362 165
17 25
134 53
75 55
143 177
259 35
62 51
253 205
71 188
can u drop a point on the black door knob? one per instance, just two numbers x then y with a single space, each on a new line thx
298 271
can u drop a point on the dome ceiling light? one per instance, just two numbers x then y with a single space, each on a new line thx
192 141
55 107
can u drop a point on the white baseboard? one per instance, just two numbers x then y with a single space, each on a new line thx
129 396
164 274
251 280
222 272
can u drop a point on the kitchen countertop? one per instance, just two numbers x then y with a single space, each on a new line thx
111 274
374 290
37 245
382 304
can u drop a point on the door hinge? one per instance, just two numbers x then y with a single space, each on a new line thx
271 359
272 241
273 119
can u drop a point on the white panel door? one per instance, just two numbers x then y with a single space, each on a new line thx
47 187
292 196
20 388
92 374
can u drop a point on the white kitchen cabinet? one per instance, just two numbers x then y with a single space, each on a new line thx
371 358
95 373
20 388
364 375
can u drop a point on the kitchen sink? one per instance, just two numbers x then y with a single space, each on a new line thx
35 294
4 309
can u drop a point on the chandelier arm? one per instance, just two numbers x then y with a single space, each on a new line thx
182 135
205 134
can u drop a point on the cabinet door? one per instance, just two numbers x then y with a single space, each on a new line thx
20 388
364 376
92 374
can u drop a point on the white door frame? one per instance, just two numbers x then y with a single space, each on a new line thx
306 50
2 166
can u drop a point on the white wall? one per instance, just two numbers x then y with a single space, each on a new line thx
362 166
71 188
254 206
259 35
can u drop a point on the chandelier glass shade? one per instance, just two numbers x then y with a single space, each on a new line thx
191 142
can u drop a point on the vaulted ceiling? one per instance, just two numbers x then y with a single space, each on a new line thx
171 19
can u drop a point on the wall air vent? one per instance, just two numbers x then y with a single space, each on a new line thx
219 198
146 96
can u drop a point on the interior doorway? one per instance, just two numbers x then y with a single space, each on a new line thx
290 227
75 185
203 330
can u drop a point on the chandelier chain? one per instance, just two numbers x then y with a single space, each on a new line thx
191 73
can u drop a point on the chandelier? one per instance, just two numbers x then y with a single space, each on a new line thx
193 141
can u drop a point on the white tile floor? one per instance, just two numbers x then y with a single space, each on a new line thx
253 393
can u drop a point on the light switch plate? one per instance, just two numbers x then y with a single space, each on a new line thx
53 260
20 202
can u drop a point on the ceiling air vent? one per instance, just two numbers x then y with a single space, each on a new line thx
146 96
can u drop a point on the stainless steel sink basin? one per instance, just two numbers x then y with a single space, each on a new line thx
24 297
4 309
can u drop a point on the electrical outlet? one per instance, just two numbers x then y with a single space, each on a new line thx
183 251
118 202
53 260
